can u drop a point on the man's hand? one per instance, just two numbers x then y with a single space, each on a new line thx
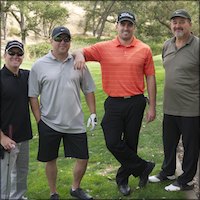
92 121
150 115
79 60
7 143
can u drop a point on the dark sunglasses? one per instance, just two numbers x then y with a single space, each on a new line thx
60 39
12 53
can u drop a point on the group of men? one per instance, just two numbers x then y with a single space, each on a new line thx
53 85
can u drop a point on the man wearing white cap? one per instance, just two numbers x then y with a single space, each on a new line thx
15 123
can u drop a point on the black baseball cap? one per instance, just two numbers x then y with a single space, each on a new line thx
180 13
60 30
126 16
16 44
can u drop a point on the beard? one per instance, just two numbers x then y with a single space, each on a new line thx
179 34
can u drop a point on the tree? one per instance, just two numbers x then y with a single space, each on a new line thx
49 14
36 16
5 5
152 16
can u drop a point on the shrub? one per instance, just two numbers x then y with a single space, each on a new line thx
156 48
14 32
38 50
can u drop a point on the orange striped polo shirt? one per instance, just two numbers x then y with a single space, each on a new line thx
123 67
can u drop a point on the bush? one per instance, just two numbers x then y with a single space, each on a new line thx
38 50
14 32
156 48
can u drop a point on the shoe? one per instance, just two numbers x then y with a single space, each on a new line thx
80 194
54 196
178 187
144 176
124 189
159 178
24 198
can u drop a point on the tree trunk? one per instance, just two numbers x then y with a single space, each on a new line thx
104 19
23 28
4 24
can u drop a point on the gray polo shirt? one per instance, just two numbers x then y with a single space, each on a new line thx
181 91
59 85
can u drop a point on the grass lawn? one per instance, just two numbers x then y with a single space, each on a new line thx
99 179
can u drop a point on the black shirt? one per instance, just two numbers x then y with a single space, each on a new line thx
15 115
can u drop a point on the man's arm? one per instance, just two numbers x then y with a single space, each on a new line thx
35 107
151 89
90 99
79 60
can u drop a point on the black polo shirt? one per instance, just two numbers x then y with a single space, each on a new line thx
15 105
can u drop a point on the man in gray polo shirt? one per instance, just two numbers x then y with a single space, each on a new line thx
181 102
59 114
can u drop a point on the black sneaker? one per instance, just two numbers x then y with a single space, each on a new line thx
80 194
145 175
54 196
124 189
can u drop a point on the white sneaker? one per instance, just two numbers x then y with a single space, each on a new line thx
159 178
177 187
154 179
172 188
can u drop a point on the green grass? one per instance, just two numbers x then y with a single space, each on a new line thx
99 179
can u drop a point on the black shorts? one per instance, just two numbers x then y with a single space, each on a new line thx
75 145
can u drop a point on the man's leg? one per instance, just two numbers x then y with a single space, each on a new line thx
133 116
51 173
76 146
49 142
113 128
190 138
171 136
20 172
7 164
78 172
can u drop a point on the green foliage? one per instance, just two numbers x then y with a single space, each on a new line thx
83 41
38 50
152 16
36 16
155 47
14 32
49 14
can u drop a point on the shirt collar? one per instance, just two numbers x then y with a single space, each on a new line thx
8 72
54 58
117 42
190 39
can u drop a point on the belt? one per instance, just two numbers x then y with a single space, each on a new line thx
126 97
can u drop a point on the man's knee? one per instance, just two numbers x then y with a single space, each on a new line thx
82 162
114 146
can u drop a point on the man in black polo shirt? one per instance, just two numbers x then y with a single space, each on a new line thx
15 123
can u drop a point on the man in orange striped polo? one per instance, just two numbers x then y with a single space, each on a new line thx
125 63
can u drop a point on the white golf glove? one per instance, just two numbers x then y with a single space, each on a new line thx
92 121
